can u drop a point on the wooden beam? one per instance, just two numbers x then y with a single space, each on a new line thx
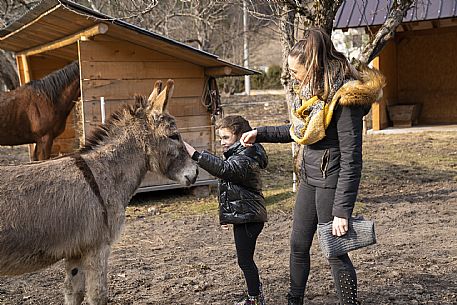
218 71
100 28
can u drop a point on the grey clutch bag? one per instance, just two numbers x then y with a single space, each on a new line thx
360 234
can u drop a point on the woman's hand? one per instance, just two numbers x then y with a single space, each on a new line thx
340 226
190 149
248 138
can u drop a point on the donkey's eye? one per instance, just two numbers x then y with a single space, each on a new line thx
174 137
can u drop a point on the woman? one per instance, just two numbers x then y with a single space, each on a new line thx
326 116
241 201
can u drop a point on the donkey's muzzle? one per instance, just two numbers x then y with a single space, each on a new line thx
190 179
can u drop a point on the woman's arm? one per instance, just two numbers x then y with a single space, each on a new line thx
274 134
349 127
267 134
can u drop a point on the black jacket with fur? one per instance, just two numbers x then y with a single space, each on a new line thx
240 187
336 160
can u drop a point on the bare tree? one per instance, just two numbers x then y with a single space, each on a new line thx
209 25
292 16
213 26
10 10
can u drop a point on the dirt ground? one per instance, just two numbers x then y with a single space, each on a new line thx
173 251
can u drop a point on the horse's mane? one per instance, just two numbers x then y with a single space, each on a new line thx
103 130
53 84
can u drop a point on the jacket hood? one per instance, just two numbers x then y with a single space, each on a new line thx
363 92
256 152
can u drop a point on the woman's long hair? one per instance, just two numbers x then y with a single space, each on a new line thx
322 62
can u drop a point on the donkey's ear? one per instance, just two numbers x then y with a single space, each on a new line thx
161 102
155 92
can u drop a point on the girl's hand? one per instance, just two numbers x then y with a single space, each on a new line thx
190 149
340 226
248 138
224 227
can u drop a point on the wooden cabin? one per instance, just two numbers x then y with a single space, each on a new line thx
419 62
117 60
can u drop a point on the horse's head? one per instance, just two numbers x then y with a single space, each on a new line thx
165 149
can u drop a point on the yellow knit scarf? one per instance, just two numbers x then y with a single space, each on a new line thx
311 119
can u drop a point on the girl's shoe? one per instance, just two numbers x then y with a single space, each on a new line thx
261 295
250 300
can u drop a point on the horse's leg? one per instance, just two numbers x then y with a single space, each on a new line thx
95 267
43 148
74 282
47 146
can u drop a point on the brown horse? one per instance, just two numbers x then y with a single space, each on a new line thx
73 207
37 111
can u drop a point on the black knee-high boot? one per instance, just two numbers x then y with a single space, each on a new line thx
346 286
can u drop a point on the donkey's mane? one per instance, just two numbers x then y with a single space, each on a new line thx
102 132
53 84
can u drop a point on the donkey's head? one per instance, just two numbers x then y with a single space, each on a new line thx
165 149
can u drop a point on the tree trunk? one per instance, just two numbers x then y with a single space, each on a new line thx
8 74
287 25
324 12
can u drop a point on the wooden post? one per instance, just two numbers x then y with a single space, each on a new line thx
24 78
377 108
23 69
26 69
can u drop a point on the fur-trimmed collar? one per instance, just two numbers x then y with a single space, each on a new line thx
366 91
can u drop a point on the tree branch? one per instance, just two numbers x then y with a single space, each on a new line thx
387 30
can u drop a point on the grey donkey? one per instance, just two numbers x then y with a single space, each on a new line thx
73 207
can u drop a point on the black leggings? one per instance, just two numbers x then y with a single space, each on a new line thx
313 205
245 239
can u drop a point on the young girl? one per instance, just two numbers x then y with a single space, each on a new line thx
326 116
241 202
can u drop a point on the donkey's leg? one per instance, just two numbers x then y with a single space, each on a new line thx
74 282
96 265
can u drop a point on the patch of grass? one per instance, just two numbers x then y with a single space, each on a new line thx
422 158
193 206
360 208
279 197
175 202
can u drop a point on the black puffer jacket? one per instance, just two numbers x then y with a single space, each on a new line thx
336 160
240 187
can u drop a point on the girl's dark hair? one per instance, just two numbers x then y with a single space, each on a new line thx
321 61
235 123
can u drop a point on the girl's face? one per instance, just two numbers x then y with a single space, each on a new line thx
296 69
228 138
